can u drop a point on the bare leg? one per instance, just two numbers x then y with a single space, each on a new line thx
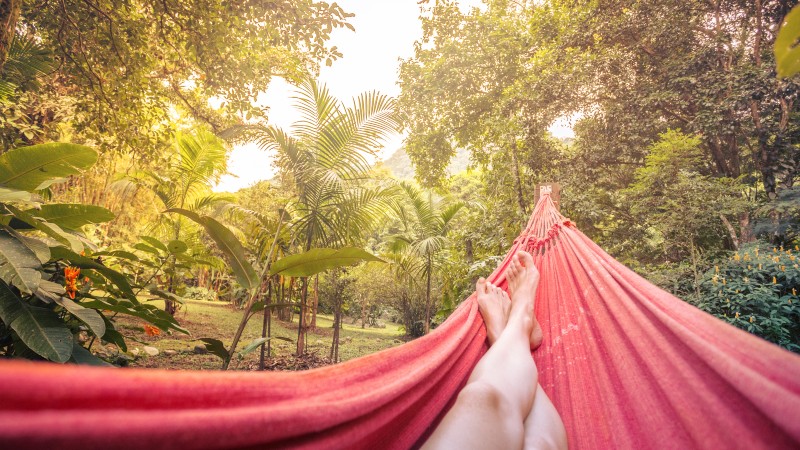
544 429
489 412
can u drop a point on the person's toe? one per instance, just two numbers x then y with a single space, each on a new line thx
480 286
525 259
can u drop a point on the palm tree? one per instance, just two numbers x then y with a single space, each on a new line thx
200 159
426 222
325 162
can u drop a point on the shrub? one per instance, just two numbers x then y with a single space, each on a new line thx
756 289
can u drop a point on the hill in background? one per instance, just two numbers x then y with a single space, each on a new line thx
401 167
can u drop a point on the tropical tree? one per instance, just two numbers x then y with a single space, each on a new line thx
325 162
426 224
200 159
123 69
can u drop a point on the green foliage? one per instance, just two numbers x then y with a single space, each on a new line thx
122 71
198 159
72 216
256 343
682 209
779 220
420 244
787 54
756 290
40 329
325 163
318 260
229 245
43 303
217 348
40 165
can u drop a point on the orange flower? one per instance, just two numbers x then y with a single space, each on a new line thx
151 330
71 280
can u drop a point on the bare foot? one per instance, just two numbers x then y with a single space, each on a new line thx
523 279
494 305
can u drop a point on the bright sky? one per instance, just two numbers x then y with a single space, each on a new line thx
385 32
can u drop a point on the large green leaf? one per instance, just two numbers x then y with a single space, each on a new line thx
90 317
39 328
787 51
176 246
230 246
72 215
145 248
50 229
154 242
39 248
18 263
167 296
319 260
36 167
82 356
258 343
113 336
216 347
119 254
14 195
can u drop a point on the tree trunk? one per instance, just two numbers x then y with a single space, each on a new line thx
731 232
764 155
337 317
169 306
518 181
301 345
9 15
316 303
284 312
364 307
695 271
266 327
428 299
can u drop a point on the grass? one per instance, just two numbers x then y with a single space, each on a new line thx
220 321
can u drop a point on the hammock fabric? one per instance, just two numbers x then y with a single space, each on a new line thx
626 364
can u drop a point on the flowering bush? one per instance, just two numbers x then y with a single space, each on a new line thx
45 310
756 290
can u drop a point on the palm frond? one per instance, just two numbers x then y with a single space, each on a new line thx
27 61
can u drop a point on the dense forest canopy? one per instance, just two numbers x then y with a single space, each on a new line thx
682 165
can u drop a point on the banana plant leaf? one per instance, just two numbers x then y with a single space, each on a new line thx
319 260
229 245
72 215
36 167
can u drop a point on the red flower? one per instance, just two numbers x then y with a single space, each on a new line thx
151 330
71 280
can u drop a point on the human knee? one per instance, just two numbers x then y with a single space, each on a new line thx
486 396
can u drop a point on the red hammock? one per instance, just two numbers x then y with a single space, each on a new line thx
626 364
